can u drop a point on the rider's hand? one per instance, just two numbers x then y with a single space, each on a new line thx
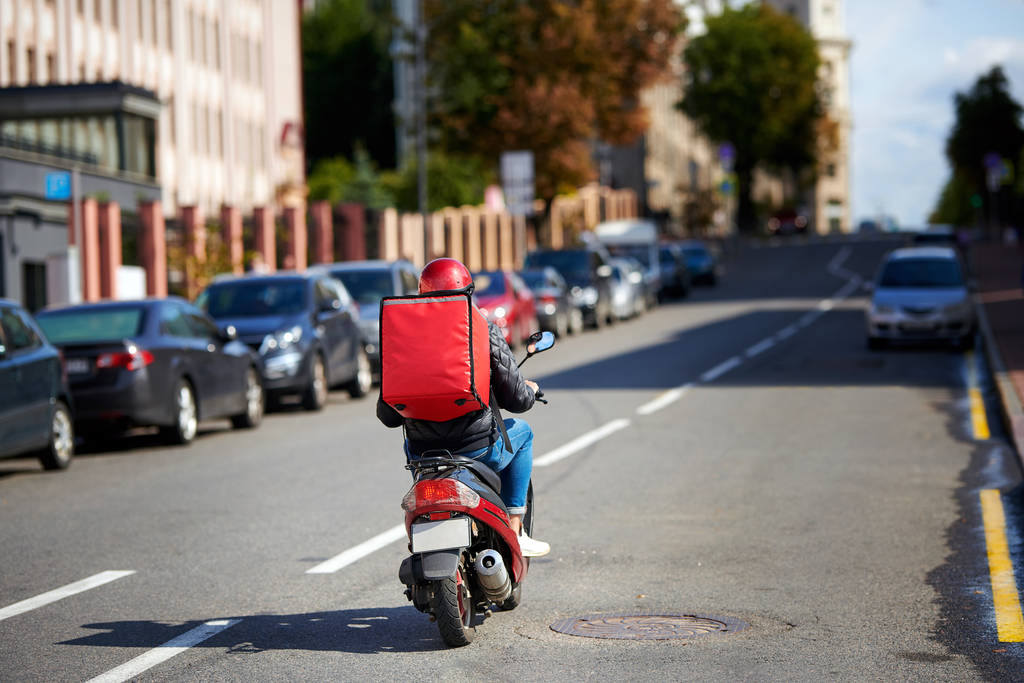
532 385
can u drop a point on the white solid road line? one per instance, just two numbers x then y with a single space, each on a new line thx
351 555
173 647
664 399
62 592
580 442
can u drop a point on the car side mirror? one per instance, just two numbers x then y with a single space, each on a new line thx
330 306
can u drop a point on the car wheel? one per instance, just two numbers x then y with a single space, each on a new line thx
254 403
186 416
315 396
360 384
61 447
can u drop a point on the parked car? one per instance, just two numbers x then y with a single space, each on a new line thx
305 327
505 300
153 362
368 282
920 293
636 239
629 293
676 275
588 275
787 221
555 311
35 401
700 261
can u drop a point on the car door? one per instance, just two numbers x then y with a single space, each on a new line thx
29 376
187 355
348 326
226 370
330 320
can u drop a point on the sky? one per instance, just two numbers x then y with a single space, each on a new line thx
909 57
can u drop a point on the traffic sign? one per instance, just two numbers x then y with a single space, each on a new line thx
517 181
58 185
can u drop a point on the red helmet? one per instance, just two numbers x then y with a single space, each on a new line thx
443 274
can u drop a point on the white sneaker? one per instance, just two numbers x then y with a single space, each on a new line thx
531 547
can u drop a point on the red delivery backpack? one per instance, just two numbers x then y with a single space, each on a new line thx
435 355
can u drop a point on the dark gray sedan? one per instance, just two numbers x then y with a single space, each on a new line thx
153 362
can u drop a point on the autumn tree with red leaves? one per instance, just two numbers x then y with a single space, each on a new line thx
548 76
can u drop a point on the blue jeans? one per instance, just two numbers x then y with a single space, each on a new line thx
514 468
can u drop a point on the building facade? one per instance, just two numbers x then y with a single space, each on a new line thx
830 201
192 102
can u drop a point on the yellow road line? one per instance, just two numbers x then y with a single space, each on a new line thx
1009 620
979 422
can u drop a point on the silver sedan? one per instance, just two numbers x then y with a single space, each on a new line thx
921 294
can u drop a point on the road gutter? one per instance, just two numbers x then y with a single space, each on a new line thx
1012 411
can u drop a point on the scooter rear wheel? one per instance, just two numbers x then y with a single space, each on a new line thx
454 610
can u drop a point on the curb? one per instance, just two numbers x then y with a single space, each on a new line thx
1012 410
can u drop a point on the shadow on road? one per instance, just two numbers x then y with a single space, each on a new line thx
360 631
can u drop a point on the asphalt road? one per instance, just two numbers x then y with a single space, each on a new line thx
750 461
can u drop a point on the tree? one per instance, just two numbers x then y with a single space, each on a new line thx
751 81
347 80
548 76
454 181
337 180
987 123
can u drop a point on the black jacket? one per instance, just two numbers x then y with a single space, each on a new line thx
473 430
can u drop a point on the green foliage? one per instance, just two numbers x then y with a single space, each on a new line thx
338 180
954 206
988 121
752 81
451 181
347 80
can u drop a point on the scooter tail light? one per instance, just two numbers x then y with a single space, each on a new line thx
439 492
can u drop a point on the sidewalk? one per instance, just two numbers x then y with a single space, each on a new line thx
996 269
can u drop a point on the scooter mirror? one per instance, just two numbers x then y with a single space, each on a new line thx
541 341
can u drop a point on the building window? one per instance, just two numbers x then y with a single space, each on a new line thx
30 56
830 170
51 68
12 63
97 6
115 19
81 7
216 44
169 23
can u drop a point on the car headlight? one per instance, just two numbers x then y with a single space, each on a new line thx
879 309
584 295
958 308
499 312
281 340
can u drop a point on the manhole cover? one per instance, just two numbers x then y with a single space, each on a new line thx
646 626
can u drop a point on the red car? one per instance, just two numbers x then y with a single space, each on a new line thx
505 300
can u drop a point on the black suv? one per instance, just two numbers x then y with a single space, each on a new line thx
588 275
305 327
35 403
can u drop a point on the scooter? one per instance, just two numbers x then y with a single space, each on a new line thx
465 556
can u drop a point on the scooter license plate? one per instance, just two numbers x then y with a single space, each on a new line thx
441 535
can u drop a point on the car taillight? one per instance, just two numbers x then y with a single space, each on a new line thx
439 492
547 299
129 360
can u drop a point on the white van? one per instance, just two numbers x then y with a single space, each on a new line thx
635 238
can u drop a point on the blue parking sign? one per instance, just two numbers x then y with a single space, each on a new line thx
58 185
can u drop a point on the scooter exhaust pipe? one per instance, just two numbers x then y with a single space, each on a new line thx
490 569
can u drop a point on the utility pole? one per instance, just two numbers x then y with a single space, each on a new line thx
421 111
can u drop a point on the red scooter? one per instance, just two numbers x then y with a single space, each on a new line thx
465 557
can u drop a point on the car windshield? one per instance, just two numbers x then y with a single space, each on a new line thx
641 252
243 299
921 272
367 286
534 279
695 252
574 266
489 283
88 325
